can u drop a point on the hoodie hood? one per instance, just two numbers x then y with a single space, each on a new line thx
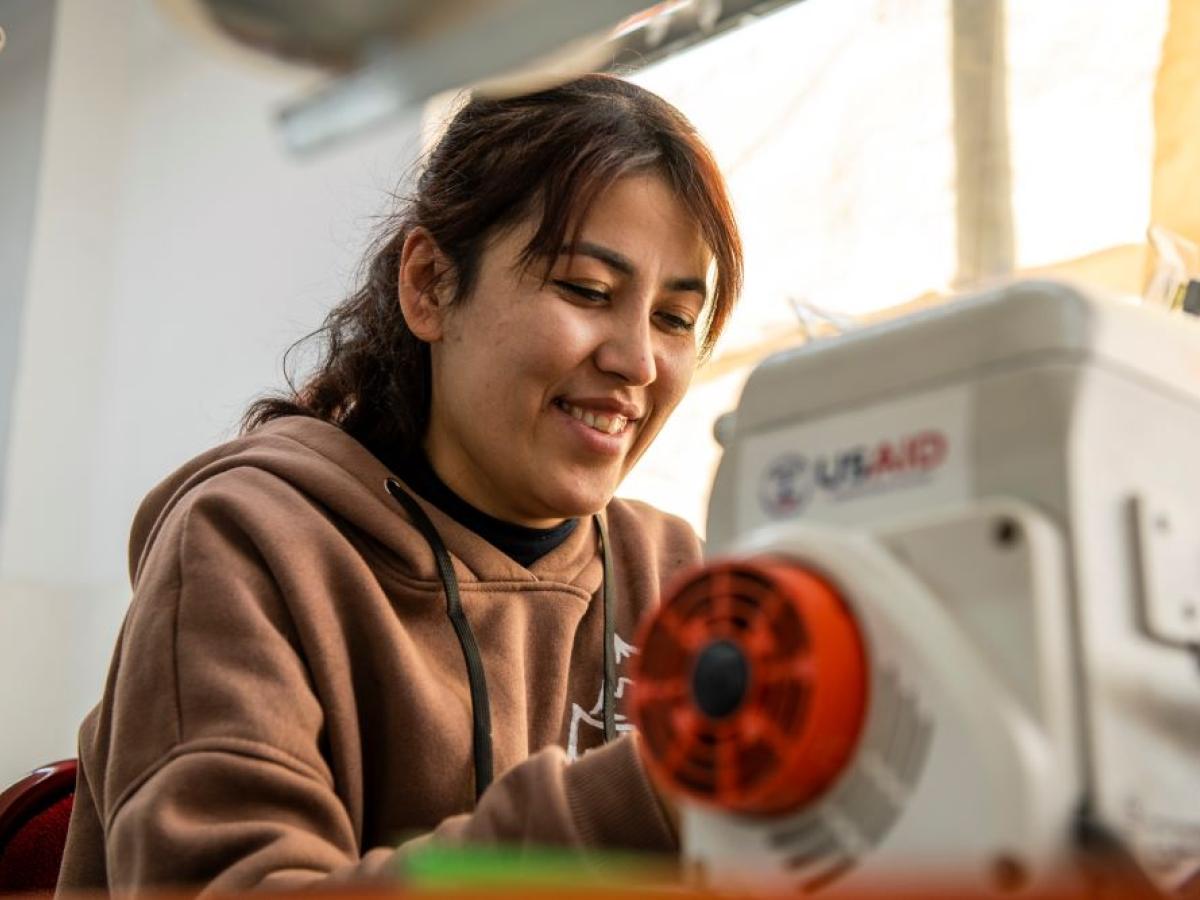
349 483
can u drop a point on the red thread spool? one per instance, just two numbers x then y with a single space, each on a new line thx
750 689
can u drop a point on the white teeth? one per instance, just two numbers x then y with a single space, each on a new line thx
601 422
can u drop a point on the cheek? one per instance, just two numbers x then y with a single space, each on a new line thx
557 341
675 369
524 358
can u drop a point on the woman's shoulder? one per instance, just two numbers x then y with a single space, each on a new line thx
655 533
628 509
288 476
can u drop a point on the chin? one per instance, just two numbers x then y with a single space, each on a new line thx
576 502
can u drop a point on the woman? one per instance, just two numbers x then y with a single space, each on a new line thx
401 602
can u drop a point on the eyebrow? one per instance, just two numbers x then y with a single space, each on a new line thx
621 264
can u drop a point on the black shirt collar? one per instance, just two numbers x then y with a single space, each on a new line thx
523 544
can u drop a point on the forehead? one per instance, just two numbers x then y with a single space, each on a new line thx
640 217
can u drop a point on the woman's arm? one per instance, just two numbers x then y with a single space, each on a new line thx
227 819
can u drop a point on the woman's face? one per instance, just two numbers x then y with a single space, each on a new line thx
544 396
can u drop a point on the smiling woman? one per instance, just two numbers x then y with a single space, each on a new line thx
537 163
401 601
572 367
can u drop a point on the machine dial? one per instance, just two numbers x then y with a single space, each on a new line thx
751 686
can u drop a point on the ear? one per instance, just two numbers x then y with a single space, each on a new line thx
421 285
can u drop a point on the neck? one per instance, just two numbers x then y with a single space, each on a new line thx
463 481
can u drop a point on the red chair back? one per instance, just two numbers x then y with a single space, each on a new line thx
34 814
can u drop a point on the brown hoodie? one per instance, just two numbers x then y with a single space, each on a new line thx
288 702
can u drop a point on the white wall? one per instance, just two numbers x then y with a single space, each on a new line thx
24 66
177 251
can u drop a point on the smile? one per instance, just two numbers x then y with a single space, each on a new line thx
605 424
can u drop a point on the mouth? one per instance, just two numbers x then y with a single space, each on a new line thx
609 423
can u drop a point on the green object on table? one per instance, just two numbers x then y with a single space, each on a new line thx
500 867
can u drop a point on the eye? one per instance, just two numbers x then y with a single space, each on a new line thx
675 323
582 291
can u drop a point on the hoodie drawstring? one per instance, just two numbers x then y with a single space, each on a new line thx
481 716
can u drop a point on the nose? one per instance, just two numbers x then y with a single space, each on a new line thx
627 350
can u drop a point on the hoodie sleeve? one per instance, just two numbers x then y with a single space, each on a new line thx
205 759
547 801
237 819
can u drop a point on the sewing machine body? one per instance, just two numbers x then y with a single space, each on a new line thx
1004 491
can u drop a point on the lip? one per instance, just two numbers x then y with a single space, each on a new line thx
609 406
594 441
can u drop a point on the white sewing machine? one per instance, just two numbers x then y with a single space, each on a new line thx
950 625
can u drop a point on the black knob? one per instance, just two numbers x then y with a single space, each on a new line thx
719 679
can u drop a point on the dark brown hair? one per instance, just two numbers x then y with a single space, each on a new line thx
548 154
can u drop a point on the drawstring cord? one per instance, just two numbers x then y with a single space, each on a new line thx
610 649
481 715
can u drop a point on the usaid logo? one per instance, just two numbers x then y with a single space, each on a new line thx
785 488
790 482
